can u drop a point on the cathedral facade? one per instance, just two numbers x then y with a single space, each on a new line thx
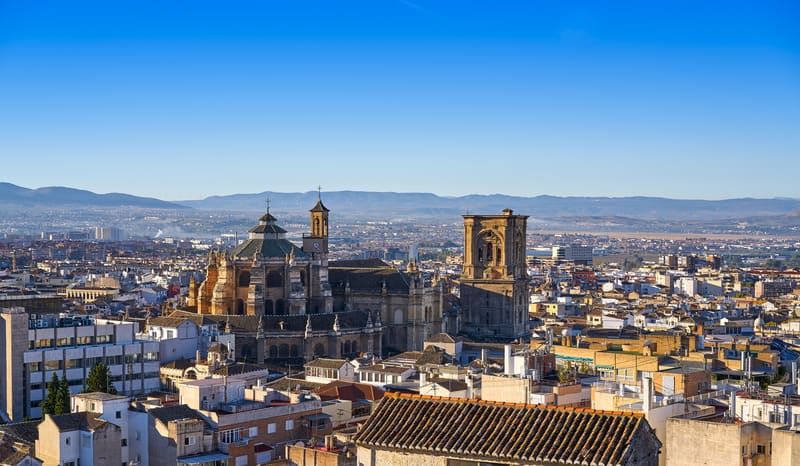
268 274
286 302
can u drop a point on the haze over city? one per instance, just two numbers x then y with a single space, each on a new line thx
182 101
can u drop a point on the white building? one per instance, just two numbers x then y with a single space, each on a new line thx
36 347
115 410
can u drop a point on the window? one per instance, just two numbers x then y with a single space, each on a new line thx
124 442
52 365
760 449
272 428
118 415
290 424
229 436
66 441
189 441
253 432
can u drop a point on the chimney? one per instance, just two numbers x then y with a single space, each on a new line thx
423 379
647 402
468 380
484 358
732 408
507 361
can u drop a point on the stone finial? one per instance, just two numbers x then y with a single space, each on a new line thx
336 327
308 327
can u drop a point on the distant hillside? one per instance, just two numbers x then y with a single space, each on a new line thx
13 196
392 205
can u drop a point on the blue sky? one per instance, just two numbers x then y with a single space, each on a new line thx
186 99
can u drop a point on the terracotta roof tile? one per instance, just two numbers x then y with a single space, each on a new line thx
507 431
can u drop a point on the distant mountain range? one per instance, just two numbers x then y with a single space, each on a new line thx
390 205
13 196
393 205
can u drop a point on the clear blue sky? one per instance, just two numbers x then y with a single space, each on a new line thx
186 99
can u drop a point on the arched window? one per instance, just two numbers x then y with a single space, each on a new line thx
274 279
347 347
354 348
499 254
273 351
240 306
244 279
283 351
191 374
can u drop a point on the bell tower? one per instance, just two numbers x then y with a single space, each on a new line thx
317 241
494 281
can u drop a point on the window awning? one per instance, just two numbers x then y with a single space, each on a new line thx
204 458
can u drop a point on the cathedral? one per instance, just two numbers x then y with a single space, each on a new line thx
287 302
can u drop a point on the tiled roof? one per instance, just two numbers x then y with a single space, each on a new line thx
26 432
172 322
353 391
78 421
319 207
367 278
173 413
359 264
327 363
238 369
497 431
274 248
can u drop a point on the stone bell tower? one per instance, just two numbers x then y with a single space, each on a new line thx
494 281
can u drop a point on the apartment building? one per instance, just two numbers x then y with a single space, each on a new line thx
37 346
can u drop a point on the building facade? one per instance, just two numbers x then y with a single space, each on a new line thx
35 349
494 282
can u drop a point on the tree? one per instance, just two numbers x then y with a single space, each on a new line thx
62 397
99 380
48 405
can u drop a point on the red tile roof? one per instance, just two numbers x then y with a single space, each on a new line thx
353 391
513 432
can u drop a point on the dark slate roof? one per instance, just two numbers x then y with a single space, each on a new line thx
267 218
271 248
173 413
359 264
367 279
319 207
26 432
78 421
506 432
269 228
